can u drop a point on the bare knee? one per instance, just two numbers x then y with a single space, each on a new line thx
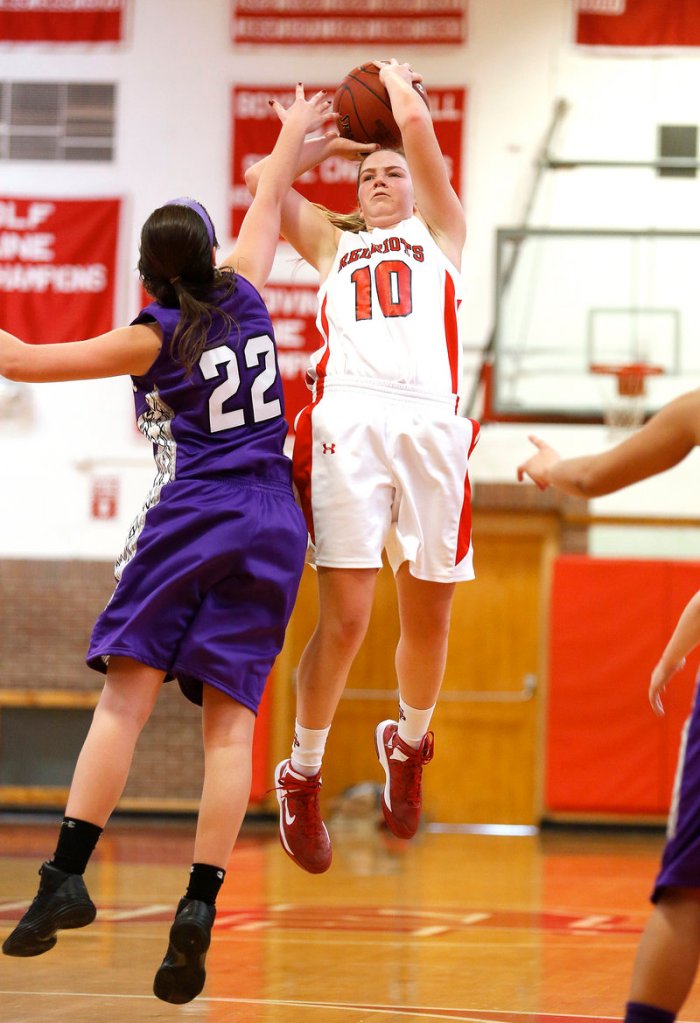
129 693
424 609
226 724
128 714
344 630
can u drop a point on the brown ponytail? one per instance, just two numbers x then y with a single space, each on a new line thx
176 269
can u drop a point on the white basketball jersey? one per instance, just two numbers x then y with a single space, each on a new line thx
388 312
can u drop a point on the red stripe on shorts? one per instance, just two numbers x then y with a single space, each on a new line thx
301 465
464 534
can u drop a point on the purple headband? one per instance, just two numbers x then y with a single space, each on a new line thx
199 210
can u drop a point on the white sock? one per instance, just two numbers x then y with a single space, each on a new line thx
413 723
308 748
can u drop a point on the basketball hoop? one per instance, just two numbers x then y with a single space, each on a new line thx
625 410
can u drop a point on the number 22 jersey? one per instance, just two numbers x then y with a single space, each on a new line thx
388 312
227 415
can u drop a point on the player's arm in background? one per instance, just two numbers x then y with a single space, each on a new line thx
304 226
437 201
660 444
685 637
126 350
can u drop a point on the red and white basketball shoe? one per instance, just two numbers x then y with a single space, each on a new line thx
302 832
403 765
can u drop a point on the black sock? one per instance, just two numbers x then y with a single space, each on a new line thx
76 841
640 1012
205 882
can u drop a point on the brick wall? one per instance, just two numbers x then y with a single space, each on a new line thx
47 610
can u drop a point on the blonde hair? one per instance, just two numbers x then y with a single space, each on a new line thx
353 222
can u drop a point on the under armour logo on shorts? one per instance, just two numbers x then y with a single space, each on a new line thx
328 449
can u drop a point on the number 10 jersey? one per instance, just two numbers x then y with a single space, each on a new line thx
388 312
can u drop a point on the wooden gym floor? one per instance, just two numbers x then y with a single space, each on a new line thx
538 928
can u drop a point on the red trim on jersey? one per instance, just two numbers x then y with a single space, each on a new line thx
323 361
451 332
464 534
302 457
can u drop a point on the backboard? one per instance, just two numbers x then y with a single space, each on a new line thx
569 300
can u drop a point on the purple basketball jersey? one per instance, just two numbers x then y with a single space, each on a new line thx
227 416
210 571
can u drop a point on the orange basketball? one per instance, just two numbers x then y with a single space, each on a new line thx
365 110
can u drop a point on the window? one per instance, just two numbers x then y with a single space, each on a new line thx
57 121
678 141
39 745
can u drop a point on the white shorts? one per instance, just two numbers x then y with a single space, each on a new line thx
384 467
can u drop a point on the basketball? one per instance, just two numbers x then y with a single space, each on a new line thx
365 110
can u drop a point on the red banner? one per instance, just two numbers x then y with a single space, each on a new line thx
333 184
640 23
292 309
325 22
57 267
62 21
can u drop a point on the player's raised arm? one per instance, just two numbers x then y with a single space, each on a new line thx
437 201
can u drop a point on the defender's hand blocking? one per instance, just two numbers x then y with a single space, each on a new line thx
317 110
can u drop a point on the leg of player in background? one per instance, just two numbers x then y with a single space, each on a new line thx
345 606
667 958
406 746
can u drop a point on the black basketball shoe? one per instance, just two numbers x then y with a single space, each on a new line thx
181 975
62 902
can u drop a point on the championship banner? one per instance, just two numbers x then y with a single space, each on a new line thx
62 21
292 308
255 127
328 22
638 23
57 267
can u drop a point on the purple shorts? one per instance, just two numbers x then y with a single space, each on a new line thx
680 864
207 596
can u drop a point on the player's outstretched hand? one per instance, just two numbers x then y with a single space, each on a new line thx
325 126
538 466
660 677
316 112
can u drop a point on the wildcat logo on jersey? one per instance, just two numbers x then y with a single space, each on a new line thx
392 244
